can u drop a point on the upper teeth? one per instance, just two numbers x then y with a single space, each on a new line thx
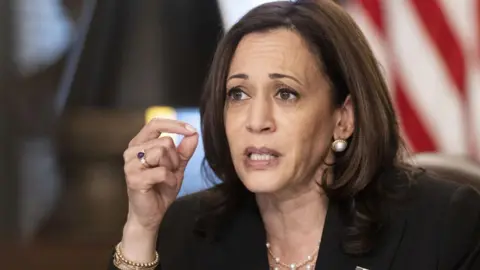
261 156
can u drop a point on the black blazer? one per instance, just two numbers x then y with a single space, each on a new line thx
438 228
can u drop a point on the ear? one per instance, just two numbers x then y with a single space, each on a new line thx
345 120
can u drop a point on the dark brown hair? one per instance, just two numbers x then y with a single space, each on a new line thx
352 70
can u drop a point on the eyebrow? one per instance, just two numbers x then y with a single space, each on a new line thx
238 76
271 76
282 76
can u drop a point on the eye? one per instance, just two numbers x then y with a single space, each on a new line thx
236 94
287 94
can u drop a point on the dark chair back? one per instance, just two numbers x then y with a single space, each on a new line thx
455 168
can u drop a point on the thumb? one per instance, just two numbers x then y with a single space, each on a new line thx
186 148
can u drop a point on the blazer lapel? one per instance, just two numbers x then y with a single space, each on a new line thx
384 253
331 255
241 244
247 241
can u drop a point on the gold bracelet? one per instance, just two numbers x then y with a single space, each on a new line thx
123 263
119 264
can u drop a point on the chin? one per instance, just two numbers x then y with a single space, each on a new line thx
262 182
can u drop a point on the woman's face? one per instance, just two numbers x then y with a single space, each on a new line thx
279 118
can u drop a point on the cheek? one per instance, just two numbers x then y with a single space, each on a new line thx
314 134
233 128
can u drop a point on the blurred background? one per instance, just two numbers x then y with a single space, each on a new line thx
79 78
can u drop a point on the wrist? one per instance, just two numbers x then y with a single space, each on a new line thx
139 243
135 226
135 230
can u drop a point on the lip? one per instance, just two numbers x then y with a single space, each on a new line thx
261 164
262 150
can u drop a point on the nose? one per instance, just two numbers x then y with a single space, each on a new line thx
260 117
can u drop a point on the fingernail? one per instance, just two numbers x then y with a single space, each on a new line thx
190 128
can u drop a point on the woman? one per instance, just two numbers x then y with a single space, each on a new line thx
298 126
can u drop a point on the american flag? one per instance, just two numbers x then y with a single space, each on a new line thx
429 51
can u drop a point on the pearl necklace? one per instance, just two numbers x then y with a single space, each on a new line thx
308 262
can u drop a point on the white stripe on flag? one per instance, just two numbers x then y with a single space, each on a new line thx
426 79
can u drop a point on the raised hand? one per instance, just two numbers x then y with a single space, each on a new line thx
154 170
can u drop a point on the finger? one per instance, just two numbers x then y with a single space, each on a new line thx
185 150
132 152
157 126
132 167
158 156
146 179
174 157
162 156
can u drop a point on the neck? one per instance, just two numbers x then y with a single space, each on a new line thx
294 221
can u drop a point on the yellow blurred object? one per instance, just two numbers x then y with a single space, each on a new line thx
161 112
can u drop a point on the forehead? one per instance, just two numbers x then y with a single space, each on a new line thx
280 49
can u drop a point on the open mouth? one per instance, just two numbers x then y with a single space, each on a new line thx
262 158
253 156
261 154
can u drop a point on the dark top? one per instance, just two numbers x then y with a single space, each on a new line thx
438 227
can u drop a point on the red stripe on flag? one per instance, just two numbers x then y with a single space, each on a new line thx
374 11
420 139
417 135
440 32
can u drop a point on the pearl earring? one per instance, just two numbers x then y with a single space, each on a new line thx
339 146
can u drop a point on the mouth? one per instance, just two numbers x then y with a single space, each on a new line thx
261 154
